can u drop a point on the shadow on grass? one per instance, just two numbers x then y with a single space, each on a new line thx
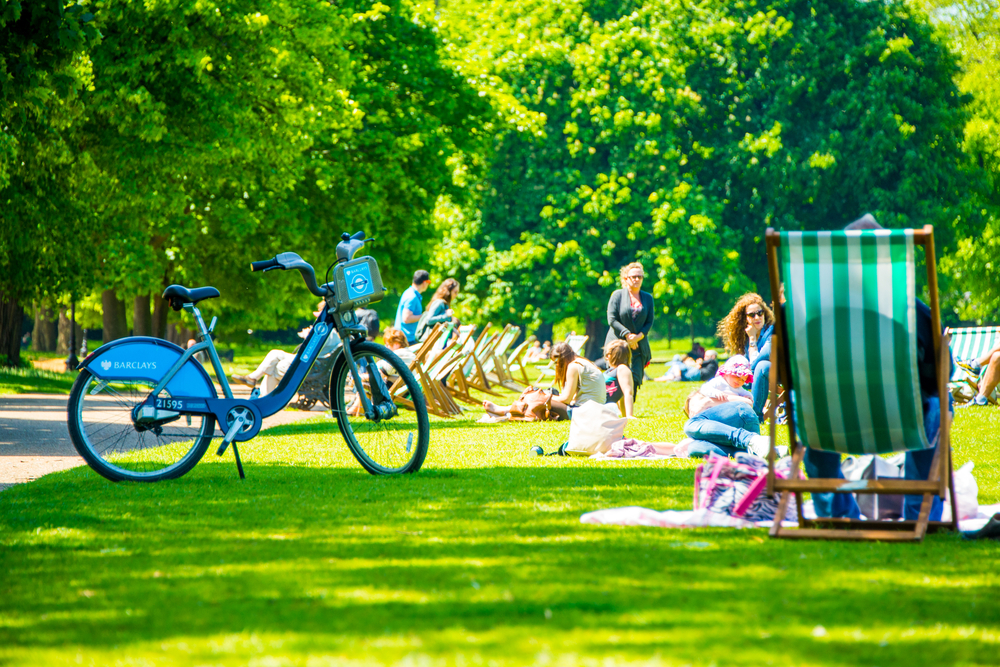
324 554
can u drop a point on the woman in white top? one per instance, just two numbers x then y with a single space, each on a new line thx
579 378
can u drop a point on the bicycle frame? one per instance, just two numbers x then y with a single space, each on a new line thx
164 410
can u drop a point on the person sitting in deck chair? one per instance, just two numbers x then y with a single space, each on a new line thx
276 362
988 382
822 464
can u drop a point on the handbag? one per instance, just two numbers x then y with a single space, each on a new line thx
535 405
594 427
736 487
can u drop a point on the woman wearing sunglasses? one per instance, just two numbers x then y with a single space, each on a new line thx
747 330
630 317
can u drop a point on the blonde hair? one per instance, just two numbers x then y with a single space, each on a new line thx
732 328
628 267
617 353
563 355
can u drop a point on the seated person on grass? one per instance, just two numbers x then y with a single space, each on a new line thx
277 362
988 382
722 420
618 376
692 370
579 378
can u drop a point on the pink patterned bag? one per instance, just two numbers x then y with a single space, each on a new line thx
735 487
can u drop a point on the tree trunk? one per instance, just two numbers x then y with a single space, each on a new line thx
692 333
142 322
115 324
670 338
11 316
62 345
43 336
597 330
158 323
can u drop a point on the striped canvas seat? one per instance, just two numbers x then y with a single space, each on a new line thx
971 343
851 324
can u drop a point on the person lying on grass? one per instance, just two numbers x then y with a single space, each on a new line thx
618 378
579 378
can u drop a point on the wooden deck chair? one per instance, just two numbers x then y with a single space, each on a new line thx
439 369
577 342
850 323
418 368
502 357
972 343
495 365
472 370
516 366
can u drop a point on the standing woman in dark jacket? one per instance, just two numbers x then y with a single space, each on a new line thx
630 316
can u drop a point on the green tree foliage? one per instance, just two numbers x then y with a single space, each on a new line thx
676 132
208 134
42 219
228 136
973 29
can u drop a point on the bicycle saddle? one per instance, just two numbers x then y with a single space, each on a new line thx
178 295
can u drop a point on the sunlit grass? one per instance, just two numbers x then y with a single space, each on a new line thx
480 558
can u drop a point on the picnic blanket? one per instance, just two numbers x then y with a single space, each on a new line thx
702 518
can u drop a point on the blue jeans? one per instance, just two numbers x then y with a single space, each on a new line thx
723 429
685 372
918 466
761 384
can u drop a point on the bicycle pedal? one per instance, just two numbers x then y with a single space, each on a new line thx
255 393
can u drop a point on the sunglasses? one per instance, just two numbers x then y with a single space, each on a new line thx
635 277
756 313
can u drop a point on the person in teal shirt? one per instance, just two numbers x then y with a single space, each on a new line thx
411 305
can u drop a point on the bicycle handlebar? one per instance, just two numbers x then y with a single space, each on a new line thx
264 265
289 260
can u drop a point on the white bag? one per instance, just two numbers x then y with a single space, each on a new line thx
593 427
967 494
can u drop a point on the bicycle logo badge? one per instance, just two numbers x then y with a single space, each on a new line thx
144 409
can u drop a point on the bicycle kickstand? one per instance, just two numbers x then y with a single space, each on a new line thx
230 435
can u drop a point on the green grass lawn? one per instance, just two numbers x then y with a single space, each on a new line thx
33 380
480 558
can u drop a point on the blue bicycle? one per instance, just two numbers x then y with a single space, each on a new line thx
143 409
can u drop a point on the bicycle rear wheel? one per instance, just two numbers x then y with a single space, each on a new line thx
104 433
392 444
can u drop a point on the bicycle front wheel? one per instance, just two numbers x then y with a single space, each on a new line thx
396 440
104 433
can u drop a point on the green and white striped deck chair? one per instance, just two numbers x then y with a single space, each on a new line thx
851 327
971 343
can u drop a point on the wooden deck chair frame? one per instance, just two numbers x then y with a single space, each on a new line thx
472 370
417 367
496 366
438 370
940 478
515 363
971 343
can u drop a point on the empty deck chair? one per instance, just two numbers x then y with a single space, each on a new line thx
516 367
847 332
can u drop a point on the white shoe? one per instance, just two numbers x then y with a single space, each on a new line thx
759 445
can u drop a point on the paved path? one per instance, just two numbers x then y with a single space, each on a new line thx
34 440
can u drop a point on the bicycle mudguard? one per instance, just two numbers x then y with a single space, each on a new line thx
145 358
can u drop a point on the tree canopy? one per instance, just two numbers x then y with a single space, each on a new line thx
675 133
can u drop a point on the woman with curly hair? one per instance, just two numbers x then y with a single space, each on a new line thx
747 330
630 317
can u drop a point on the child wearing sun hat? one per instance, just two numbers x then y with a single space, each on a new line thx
722 420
